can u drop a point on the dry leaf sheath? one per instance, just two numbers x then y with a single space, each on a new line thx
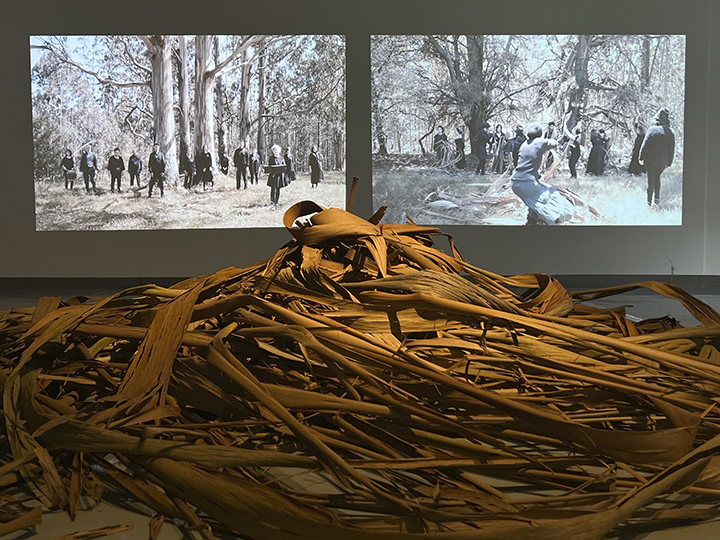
363 384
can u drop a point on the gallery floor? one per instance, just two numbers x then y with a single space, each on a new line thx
640 305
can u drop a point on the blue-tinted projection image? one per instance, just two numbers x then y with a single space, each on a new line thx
528 129
185 132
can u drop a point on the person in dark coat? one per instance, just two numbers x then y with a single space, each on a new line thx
241 160
316 172
290 164
482 139
546 206
439 141
635 166
276 175
89 167
254 167
116 166
187 165
499 141
596 159
514 144
657 153
135 166
460 148
156 166
573 149
205 167
68 168
224 163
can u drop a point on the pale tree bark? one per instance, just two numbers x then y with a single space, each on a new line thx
262 108
476 85
244 106
204 119
161 86
219 103
204 78
183 95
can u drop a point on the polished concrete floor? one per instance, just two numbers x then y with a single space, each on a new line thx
640 305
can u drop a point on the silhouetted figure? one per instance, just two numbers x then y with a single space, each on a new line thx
187 165
205 167
316 171
116 166
514 144
290 164
241 160
596 159
657 153
156 166
438 142
135 166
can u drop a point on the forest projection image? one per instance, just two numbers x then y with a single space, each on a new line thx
528 129
185 132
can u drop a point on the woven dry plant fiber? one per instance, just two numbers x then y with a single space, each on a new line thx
362 384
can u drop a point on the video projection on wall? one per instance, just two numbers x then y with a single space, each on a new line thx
185 132
450 115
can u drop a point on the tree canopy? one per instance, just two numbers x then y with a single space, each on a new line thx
129 91
603 81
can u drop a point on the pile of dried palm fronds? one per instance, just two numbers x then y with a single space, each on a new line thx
362 384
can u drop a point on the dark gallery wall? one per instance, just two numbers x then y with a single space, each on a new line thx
693 248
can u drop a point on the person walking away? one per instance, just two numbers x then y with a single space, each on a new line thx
156 165
316 172
116 166
89 167
67 165
657 153
135 166
546 206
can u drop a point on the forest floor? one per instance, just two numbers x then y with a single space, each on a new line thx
219 207
411 187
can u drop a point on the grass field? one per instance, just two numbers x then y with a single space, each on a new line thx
220 207
406 185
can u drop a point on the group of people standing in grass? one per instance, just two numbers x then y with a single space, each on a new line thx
195 170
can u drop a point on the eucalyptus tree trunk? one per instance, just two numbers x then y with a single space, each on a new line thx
161 86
